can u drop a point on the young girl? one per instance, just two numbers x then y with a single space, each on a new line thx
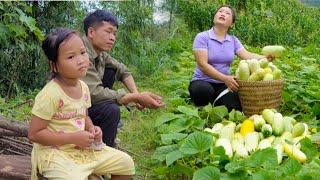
60 128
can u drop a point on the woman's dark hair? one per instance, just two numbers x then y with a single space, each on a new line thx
95 19
234 16
52 43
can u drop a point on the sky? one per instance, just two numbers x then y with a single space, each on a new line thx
159 16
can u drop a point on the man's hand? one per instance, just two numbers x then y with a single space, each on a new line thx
139 106
149 100
143 99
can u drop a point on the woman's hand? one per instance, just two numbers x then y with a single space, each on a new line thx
270 57
231 83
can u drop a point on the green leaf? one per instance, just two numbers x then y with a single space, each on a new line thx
232 115
17 30
309 171
38 34
235 176
316 108
188 111
161 152
165 118
217 114
219 154
236 116
168 138
308 148
198 123
28 9
207 173
173 156
258 158
317 161
176 101
179 125
237 166
3 32
290 167
259 176
21 45
182 93
264 174
162 170
29 21
163 129
181 169
196 142
207 108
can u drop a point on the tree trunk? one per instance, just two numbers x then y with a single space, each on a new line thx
15 167
20 128
172 6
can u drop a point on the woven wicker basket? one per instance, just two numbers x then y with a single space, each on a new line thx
259 95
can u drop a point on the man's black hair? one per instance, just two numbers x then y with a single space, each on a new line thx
95 19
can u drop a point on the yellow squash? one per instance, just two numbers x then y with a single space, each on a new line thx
246 127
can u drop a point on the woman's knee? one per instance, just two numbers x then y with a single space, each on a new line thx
231 101
200 87
201 92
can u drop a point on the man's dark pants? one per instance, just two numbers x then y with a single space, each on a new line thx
106 114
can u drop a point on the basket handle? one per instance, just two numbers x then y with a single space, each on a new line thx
224 92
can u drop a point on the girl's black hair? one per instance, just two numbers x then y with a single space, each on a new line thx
51 46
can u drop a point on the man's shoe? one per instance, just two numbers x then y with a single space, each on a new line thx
120 124
116 142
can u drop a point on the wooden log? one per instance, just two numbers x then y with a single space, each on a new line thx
15 167
13 152
5 132
19 148
22 142
16 126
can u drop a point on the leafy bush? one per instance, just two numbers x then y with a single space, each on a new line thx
260 22
21 64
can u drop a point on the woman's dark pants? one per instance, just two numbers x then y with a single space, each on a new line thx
203 93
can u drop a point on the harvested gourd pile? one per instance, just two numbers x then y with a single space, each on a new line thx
268 130
254 70
260 70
